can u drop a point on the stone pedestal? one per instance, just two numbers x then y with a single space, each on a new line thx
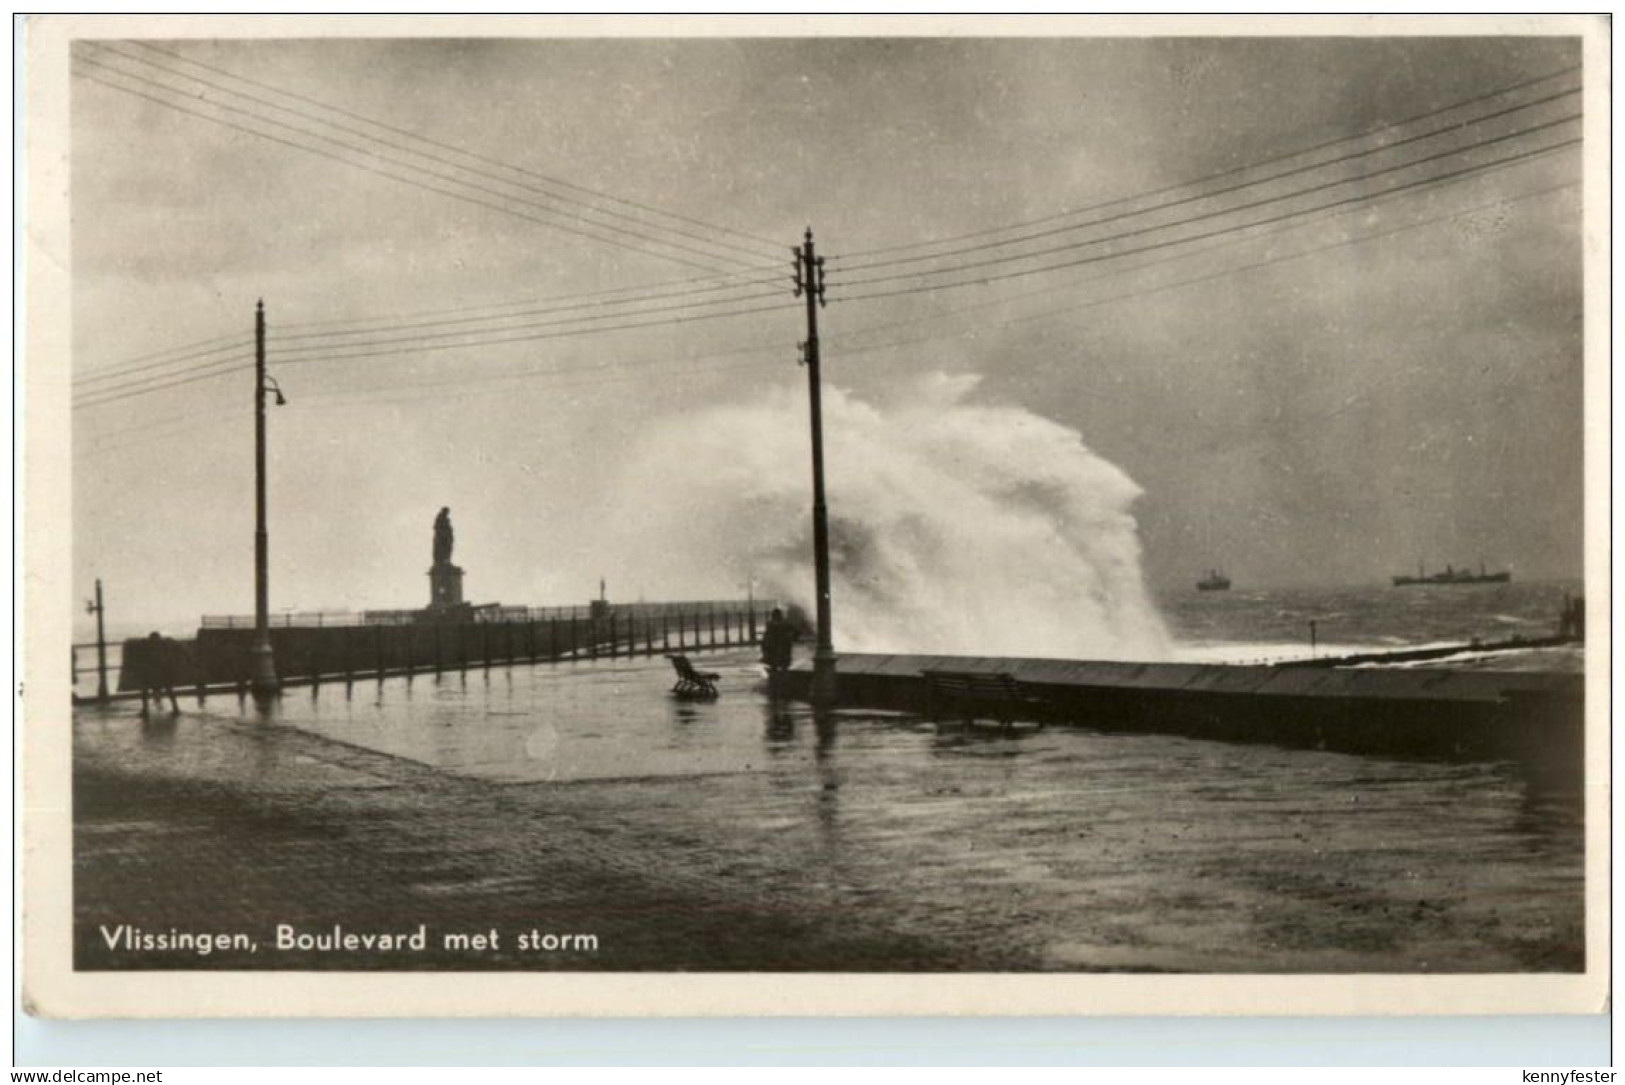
445 586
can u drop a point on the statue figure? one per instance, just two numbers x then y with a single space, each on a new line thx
442 537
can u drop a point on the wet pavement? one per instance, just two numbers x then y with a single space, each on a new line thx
744 834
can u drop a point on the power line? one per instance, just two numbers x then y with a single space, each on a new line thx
1377 130
342 400
102 398
129 375
258 134
1385 148
1024 272
348 398
754 253
440 396
772 245
420 344
417 344
218 342
1206 215
1222 243
127 372
406 165
718 282
1221 273
420 348
345 399
543 311
291 352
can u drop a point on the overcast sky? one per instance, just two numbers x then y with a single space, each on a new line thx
1324 418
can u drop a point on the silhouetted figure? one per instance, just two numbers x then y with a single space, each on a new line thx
442 537
158 674
1572 622
778 642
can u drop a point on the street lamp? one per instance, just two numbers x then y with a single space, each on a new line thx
262 663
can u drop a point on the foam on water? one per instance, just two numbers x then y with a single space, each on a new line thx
956 526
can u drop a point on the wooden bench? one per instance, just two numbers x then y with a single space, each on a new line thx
690 682
999 696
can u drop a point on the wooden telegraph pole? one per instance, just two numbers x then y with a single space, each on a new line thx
810 284
97 608
262 663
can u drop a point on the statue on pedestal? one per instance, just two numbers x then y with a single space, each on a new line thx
445 579
443 537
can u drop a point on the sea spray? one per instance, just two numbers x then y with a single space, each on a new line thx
956 526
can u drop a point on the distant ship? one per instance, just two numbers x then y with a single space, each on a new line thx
1213 581
1452 575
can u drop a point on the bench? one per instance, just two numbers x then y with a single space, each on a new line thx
1000 696
690 682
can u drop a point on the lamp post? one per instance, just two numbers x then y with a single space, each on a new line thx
262 662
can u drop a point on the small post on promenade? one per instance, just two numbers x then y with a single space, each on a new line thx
96 608
1313 637
810 284
262 663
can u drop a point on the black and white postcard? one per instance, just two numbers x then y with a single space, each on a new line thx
822 515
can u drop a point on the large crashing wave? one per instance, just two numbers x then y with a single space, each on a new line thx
956 527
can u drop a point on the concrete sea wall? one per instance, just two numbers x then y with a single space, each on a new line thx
1531 718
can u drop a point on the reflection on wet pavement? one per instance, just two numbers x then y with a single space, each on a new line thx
1066 847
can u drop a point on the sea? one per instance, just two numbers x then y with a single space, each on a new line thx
1091 849
1259 625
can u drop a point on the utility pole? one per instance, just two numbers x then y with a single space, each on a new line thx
97 608
810 283
262 663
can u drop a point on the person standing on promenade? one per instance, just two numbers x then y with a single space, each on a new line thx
778 642
158 673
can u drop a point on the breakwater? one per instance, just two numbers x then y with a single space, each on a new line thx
1533 718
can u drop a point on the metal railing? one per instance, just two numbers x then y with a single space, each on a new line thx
489 612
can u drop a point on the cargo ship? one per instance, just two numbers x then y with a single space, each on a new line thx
1213 581
1452 575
